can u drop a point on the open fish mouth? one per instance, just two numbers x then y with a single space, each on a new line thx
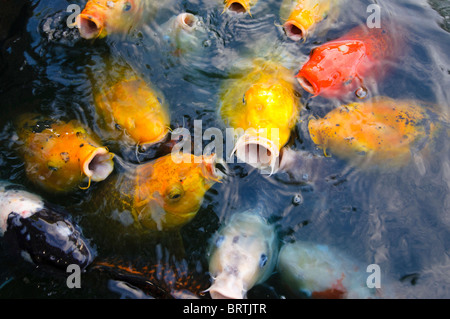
307 85
237 6
257 151
227 287
187 21
89 26
99 164
215 168
294 30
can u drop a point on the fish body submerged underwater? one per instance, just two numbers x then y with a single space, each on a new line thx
300 17
132 111
345 65
243 253
44 233
263 103
381 131
163 194
239 6
320 272
59 156
162 280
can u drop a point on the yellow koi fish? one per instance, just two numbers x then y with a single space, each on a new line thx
132 111
301 16
239 6
59 156
263 103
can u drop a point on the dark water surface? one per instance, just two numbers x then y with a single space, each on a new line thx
398 219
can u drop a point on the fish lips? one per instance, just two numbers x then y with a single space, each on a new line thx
257 151
215 168
294 30
238 6
90 26
307 83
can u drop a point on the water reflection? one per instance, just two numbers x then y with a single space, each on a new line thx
398 219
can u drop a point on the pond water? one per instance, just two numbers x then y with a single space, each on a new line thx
398 219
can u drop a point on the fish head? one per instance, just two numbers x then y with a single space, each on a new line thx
298 23
243 253
379 131
50 238
102 17
301 17
59 155
332 69
238 6
263 108
186 32
186 21
174 193
271 108
136 108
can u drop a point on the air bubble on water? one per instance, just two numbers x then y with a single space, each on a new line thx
297 199
206 43
361 93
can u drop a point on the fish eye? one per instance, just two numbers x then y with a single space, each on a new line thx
175 193
127 6
263 260
219 241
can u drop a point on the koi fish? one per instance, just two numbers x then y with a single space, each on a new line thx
132 111
185 33
342 66
163 194
58 155
243 253
161 281
322 272
239 6
102 17
378 131
43 231
301 16
263 103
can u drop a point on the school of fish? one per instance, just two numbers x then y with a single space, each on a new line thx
262 99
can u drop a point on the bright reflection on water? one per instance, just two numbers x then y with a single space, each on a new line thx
398 219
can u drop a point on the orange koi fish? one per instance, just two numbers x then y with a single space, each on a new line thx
165 193
301 16
379 131
58 155
132 111
102 17
341 66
